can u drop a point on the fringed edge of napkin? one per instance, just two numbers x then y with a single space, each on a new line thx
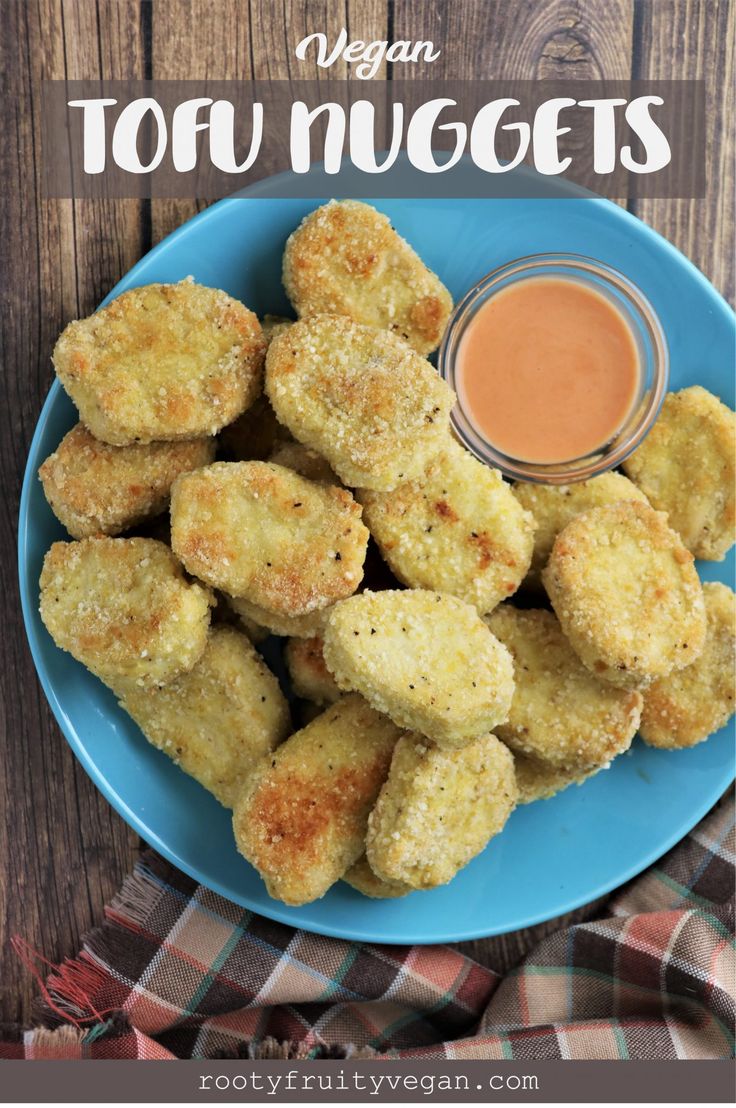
64 1014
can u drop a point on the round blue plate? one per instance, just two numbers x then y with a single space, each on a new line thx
552 856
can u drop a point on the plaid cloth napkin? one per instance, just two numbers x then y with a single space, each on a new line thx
178 972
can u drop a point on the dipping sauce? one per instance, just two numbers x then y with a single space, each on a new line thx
548 370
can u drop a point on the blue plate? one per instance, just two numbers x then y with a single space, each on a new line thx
553 856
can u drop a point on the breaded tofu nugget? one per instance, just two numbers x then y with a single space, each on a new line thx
686 707
253 435
363 399
308 463
538 780
686 466
438 809
554 506
262 532
361 877
561 712
298 627
303 816
425 659
124 609
457 529
94 488
346 259
310 677
162 362
219 719
626 593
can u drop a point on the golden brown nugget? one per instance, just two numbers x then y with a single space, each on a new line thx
457 529
376 576
626 593
303 817
561 712
346 259
425 659
554 506
307 463
310 677
218 720
538 780
688 706
162 362
438 809
253 435
363 399
361 877
262 532
298 627
94 488
687 468
124 609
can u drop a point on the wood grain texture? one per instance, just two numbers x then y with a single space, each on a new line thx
63 850
187 43
692 40
498 40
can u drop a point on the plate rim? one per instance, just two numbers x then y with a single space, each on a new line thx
285 914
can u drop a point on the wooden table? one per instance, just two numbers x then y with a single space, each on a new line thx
63 850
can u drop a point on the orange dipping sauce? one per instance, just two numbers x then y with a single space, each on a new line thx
548 370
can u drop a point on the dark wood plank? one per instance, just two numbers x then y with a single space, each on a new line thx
694 40
193 39
495 39
63 850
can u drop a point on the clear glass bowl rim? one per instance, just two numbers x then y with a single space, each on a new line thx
579 469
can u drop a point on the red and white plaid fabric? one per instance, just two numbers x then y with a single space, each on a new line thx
178 972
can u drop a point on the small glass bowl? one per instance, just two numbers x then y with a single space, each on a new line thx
647 332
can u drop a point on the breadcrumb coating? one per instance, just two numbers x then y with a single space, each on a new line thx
162 362
361 877
307 463
425 659
123 608
310 677
561 713
686 707
298 627
554 506
537 780
362 398
262 532
345 258
626 593
303 817
217 720
94 488
438 809
686 466
457 529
